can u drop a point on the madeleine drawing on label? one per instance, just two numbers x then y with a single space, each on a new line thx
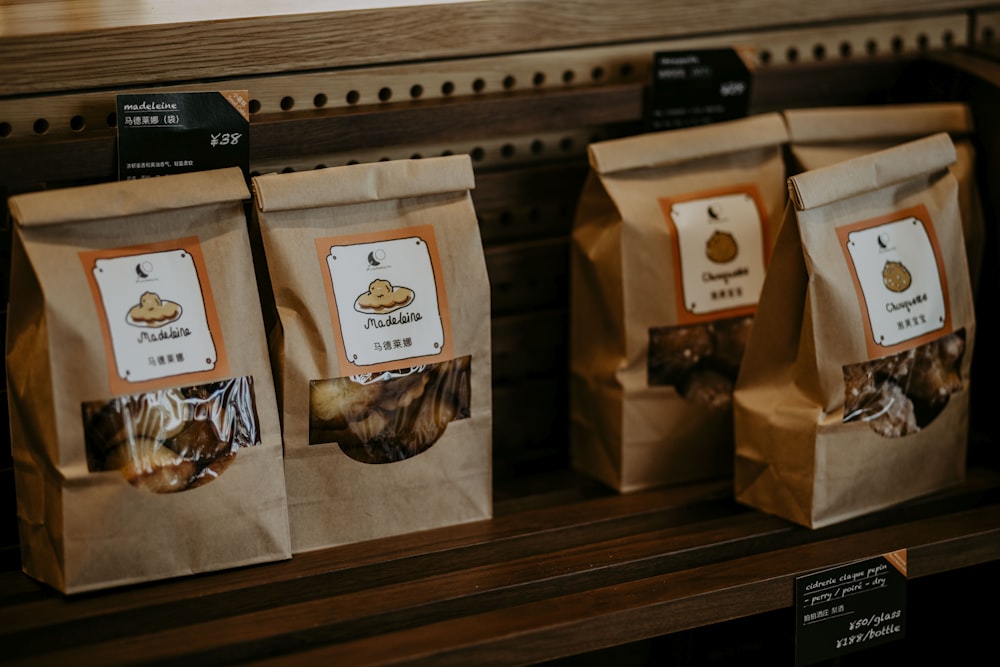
383 297
153 311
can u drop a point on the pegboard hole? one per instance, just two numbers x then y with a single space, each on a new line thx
353 97
566 144
597 73
792 54
538 79
447 88
319 101
78 123
509 82
287 103
5 130
477 154
568 76
845 49
320 166
111 120
948 38
765 57
254 106
923 42
288 170
41 126
507 151
416 91
506 218
416 156
871 47
479 85
385 94
988 35
897 45
625 71
819 52
537 147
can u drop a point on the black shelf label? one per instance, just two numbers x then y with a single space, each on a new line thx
174 133
851 607
698 87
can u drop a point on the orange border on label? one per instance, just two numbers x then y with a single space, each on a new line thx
426 234
191 245
919 212
685 316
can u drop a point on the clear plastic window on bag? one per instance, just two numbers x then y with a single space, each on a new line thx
389 416
904 392
173 439
700 360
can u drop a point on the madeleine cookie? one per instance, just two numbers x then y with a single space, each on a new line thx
389 416
173 439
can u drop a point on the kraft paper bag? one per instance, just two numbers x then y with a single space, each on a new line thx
143 419
819 137
854 390
671 240
382 347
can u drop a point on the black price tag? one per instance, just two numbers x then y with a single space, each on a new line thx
698 87
174 133
849 608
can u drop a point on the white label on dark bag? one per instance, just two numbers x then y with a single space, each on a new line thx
155 311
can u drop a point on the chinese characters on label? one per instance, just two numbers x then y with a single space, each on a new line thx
171 133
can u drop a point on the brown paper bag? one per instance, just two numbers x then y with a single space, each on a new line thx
144 425
383 349
671 240
823 136
854 390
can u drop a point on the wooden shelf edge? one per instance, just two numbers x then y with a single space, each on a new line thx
596 619
569 574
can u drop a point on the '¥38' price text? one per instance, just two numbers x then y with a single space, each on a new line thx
225 139
871 627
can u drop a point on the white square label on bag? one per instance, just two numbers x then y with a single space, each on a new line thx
157 313
387 298
720 252
898 273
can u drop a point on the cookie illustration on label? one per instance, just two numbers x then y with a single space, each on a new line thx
721 247
383 297
152 311
895 276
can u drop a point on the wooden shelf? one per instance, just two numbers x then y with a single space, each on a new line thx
111 42
564 570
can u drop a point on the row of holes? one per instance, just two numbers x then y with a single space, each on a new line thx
352 98
537 147
792 55
846 49
417 91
